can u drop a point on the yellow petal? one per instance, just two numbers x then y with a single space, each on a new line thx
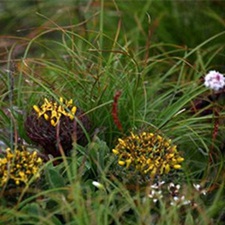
46 116
70 102
116 152
128 162
54 114
177 166
53 123
132 135
121 163
171 155
39 160
73 110
70 116
167 168
159 138
17 182
180 159
121 141
60 109
46 101
153 172
36 109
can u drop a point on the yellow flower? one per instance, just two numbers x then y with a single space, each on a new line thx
19 166
52 111
148 153
52 125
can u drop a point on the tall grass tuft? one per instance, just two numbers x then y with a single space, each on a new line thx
136 69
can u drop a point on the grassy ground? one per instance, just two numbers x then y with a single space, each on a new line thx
131 66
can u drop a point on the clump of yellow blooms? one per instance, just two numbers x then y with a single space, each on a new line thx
52 111
148 153
19 166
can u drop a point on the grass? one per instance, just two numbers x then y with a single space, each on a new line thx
153 56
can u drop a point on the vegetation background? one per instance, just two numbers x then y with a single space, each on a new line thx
152 55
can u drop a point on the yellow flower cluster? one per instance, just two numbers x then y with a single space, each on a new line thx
148 153
19 166
52 111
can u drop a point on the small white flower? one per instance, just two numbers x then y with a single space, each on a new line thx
200 189
214 80
98 185
179 201
155 195
151 195
161 183
154 186
197 186
185 201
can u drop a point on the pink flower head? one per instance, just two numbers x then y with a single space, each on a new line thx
214 80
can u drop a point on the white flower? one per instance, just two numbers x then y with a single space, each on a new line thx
214 80
200 189
98 185
157 185
197 186
155 195
179 201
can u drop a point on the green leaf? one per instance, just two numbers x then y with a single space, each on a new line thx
98 151
56 221
32 209
54 178
189 219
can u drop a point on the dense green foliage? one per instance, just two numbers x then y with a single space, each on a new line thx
131 66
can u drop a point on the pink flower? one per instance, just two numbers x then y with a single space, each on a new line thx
214 80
